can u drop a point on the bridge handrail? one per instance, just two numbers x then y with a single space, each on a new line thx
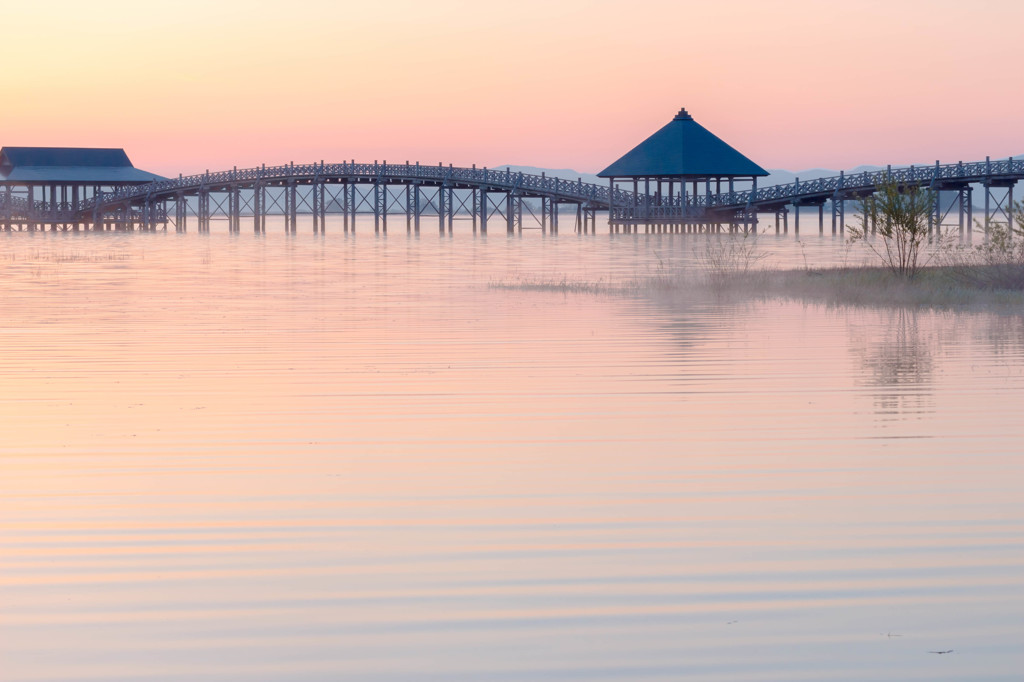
505 180
977 171
517 182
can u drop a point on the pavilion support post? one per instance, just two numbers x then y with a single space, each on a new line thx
611 205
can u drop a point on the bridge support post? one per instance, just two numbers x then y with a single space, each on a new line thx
293 208
409 207
203 210
180 209
315 196
416 207
451 210
376 207
263 209
509 214
440 209
962 208
345 204
323 205
256 208
474 207
483 211
970 211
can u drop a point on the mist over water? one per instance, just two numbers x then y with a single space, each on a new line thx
349 457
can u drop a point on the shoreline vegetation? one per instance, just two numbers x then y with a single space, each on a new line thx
944 275
730 270
941 286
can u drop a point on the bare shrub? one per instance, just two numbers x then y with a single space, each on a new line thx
723 257
900 214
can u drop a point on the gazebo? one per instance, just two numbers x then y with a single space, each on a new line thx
676 174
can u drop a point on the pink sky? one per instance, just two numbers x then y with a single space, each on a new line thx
560 84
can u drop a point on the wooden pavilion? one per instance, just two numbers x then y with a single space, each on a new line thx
677 177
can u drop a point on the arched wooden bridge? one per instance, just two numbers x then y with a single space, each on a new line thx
440 193
384 190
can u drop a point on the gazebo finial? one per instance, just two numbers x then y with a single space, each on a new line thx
683 115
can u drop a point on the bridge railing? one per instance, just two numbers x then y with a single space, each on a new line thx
977 171
499 180
543 185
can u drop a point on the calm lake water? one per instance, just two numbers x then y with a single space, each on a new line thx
350 458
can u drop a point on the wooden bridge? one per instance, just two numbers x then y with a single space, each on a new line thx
437 194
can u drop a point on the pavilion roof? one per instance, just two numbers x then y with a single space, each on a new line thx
682 149
70 164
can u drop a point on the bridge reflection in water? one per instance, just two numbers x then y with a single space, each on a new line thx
439 194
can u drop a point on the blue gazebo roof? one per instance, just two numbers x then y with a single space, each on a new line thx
683 149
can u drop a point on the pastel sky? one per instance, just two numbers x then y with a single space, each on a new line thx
798 84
